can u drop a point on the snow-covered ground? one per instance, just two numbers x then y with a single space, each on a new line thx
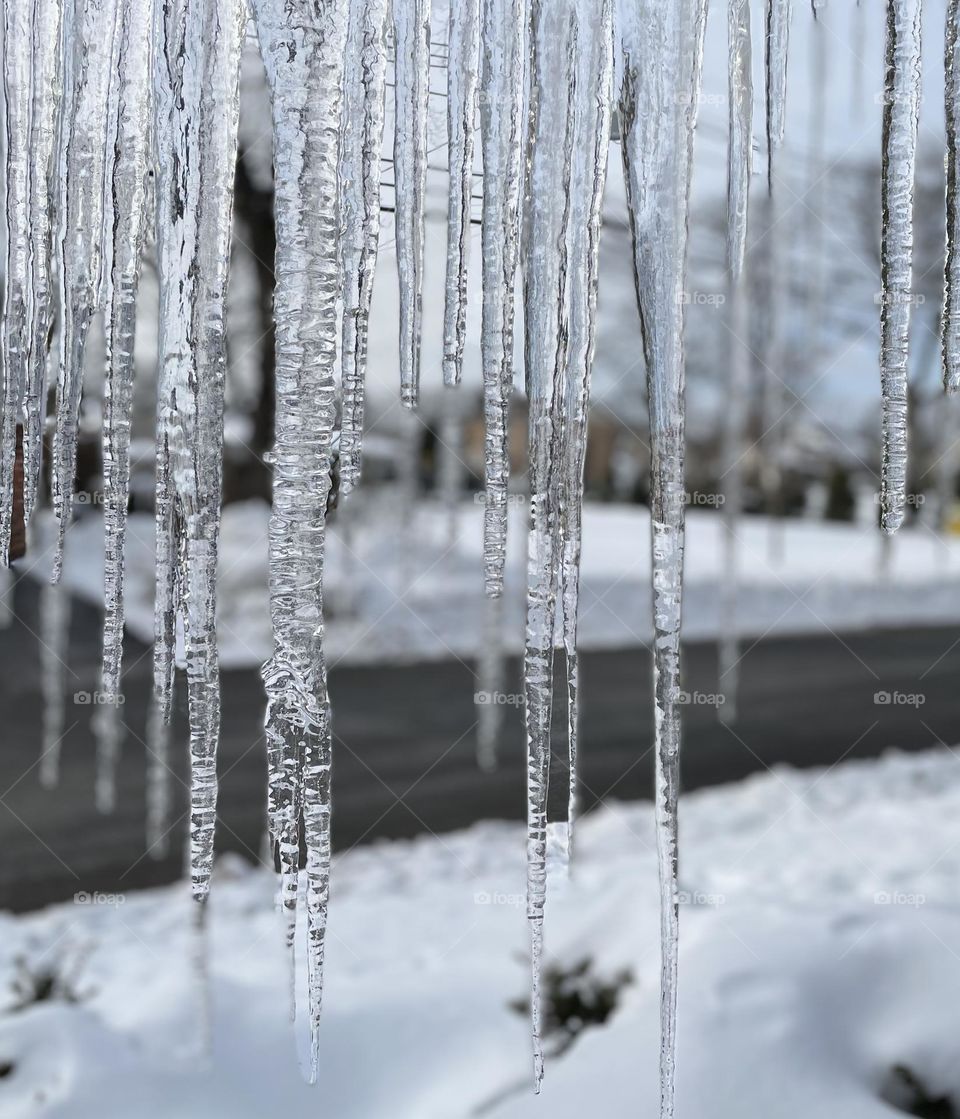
416 594
820 937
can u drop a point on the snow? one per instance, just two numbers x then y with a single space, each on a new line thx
817 952
830 575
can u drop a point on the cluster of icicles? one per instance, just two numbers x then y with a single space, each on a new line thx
121 117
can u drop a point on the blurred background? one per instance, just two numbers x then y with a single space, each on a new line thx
816 981
829 615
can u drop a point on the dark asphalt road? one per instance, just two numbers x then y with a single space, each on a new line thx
405 746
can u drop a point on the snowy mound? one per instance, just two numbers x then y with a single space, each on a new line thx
820 933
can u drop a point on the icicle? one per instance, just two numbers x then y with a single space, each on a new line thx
89 33
739 158
411 20
54 643
128 186
47 59
740 146
778 38
463 54
594 88
364 87
502 84
17 289
553 51
658 120
900 123
196 91
303 53
950 323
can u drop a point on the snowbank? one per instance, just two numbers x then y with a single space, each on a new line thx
413 593
819 936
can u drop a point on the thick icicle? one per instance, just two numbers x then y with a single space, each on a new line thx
900 122
553 53
739 159
303 53
364 88
46 78
778 39
128 185
411 20
658 118
950 322
588 171
54 642
196 89
463 53
502 84
89 36
17 290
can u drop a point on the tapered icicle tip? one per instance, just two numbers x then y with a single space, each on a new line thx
891 520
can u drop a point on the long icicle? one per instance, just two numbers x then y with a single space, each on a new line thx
658 120
463 55
950 322
304 58
18 288
46 83
501 137
128 184
553 53
197 68
901 110
364 89
593 107
411 19
89 32
739 167
778 15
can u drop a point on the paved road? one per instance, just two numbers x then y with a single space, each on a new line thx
405 745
